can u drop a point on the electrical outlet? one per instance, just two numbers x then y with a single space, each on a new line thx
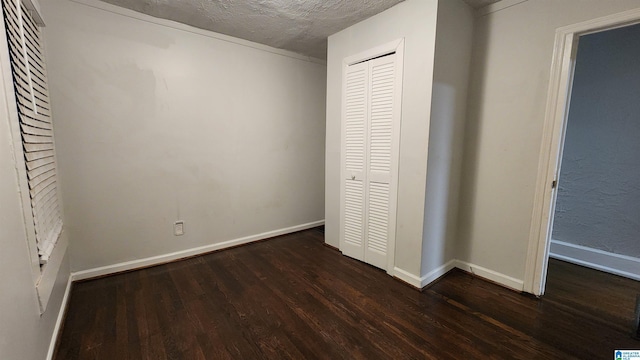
178 228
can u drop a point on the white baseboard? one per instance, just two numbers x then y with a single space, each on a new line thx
502 279
435 274
59 319
617 264
407 277
161 259
421 282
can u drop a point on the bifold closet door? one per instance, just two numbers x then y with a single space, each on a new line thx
354 128
370 160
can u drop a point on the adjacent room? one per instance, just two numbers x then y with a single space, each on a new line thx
595 220
315 179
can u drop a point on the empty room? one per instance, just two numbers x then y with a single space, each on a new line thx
302 179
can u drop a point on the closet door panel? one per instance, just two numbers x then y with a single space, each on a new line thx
354 129
370 148
380 134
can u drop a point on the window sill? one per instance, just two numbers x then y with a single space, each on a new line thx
45 285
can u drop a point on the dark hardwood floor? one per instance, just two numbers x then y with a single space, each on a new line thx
293 298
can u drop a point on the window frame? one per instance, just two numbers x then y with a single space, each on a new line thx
43 276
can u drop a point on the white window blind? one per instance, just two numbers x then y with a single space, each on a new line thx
36 127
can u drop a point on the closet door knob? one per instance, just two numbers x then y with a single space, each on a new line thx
353 177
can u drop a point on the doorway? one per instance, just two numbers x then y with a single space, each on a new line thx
595 223
555 127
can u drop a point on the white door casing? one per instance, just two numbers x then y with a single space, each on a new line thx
558 96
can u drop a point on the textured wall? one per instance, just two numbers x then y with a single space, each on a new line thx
598 202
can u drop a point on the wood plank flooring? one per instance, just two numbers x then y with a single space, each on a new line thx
293 298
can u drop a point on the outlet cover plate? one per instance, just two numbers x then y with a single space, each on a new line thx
178 228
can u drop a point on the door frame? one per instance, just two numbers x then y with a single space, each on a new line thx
397 47
555 123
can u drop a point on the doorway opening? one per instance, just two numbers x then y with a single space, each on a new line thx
597 208
554 138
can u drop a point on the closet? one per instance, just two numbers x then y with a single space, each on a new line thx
371 93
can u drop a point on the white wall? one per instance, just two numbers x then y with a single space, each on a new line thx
509 80
415 21
158 123
24 334
598 204
454 34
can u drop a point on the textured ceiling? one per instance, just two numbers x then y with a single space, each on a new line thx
301 26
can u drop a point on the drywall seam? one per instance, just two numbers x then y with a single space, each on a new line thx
60 319
617 264
186 28
161 259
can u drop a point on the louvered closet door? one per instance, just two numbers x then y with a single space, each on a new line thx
370 144
354 128
381 160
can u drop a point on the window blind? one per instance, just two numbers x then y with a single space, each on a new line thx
36 126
